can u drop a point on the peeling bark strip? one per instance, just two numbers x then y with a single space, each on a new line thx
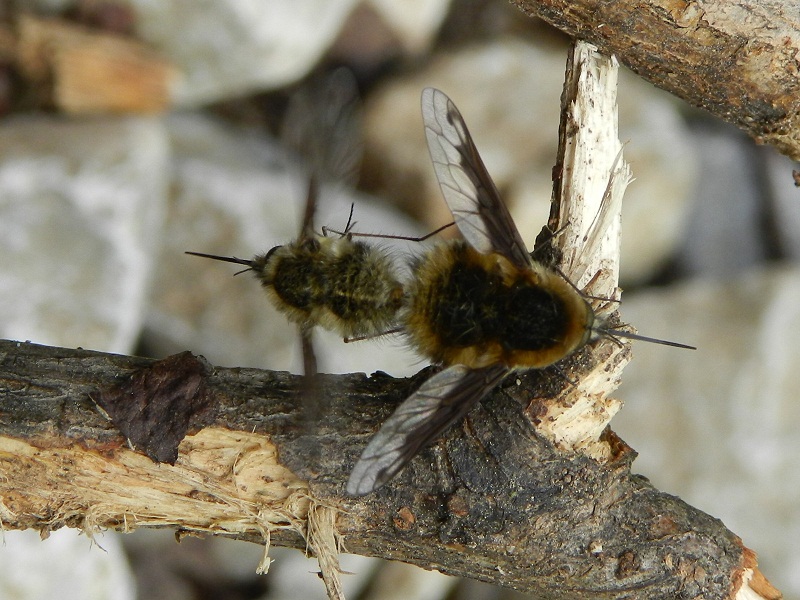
738 59
153 408
493 500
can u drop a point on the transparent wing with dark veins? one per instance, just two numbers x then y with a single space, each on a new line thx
323 127
469 191
438 403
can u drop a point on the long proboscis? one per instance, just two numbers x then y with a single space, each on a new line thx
611 332
230 259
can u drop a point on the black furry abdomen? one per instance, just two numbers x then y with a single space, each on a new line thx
471 305
536 318
477 309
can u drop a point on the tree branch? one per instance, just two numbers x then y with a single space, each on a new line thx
735 58
493 500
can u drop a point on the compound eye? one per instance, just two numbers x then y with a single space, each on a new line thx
270 252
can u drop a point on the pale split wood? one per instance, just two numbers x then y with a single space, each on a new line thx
223 482
587 216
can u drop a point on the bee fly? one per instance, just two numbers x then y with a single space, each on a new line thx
481 306
333 282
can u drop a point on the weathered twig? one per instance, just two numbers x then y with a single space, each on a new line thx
735 58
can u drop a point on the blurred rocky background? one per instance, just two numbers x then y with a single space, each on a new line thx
132 131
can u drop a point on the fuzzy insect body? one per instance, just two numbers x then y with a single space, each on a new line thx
336 283
477 309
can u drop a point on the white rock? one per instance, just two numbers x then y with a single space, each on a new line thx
398 581
81 207
786 201
66 565
723 233
414 23
290 575
718 426
231 48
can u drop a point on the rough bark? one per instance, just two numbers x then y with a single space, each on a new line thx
493 500
738 59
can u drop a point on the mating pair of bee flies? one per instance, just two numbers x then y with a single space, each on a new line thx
480 306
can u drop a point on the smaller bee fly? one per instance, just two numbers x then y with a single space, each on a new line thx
341 285
334 282
482 307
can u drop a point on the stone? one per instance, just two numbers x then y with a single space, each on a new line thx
717 426
81 210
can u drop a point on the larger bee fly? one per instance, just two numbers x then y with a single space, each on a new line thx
481 306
